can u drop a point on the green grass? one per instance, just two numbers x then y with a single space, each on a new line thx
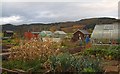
23 65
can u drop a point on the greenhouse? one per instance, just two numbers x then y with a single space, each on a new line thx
104 34
46 34
59 34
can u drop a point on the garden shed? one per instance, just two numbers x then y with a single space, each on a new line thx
59 34
46 34
105 34
80 34
8 33
28 35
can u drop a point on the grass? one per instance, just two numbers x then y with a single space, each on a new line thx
22 65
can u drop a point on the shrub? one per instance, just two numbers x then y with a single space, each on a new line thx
114 52
96 52
111 52
32 49
61 63
66 62
88 70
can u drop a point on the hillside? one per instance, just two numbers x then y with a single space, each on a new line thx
65 26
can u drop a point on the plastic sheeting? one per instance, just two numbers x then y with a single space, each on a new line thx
107 31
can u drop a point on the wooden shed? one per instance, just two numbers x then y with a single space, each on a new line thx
8 33
80 34
28 35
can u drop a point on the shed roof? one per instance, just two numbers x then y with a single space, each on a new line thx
59 32
106 31
35 32
46 32
83 31
8 31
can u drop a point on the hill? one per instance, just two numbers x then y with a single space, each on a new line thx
65 26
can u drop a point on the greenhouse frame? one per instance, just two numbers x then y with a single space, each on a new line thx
106 34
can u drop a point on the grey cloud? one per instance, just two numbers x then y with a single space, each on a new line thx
56 12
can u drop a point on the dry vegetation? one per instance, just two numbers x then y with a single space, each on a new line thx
49 56
32 49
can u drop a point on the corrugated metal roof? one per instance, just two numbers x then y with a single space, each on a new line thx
84 31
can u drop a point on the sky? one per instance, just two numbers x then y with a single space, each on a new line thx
33 11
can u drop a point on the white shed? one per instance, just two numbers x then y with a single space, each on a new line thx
59 34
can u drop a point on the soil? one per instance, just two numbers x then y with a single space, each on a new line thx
111 66
75 50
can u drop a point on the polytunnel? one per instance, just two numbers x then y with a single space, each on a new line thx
105 33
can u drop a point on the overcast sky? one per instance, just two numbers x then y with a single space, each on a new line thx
47 12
